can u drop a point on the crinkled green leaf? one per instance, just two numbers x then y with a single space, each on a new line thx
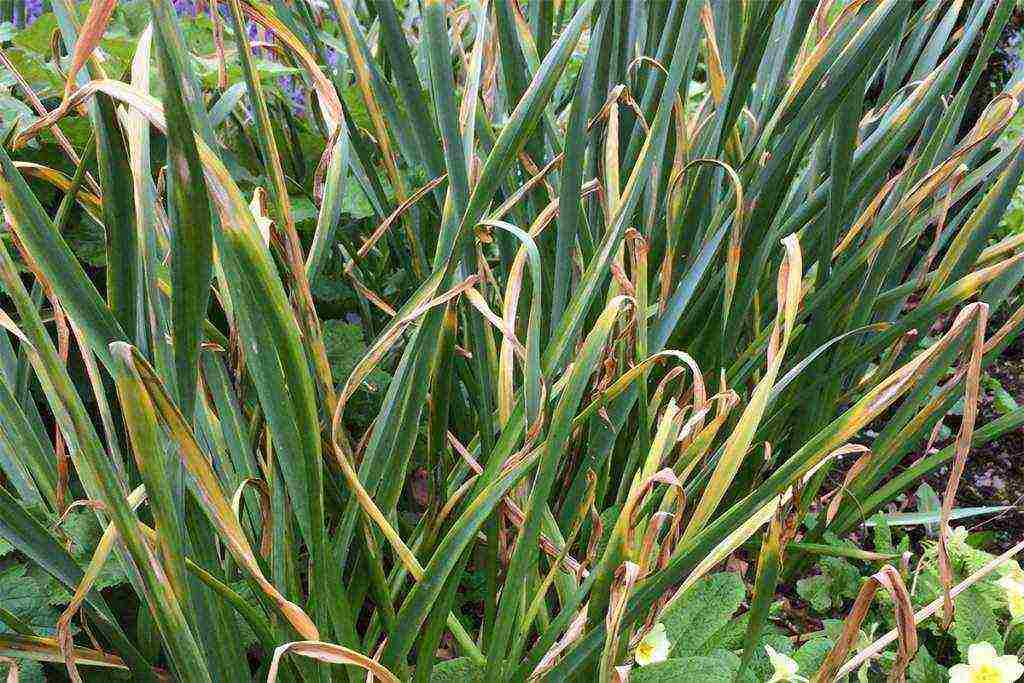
698 613
810 656
354 202
345 347
36 36
816 590
975 622
882 535
718 668
1001 398
760 665
26 598
88 240
924 669
839 580
458 670
84 532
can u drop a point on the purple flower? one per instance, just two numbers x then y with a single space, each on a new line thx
252 30
184 7
292 89
33 10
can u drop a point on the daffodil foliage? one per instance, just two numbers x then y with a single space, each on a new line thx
432 340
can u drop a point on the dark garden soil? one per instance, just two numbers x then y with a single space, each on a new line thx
994 474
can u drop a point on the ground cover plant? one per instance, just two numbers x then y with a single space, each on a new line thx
571 340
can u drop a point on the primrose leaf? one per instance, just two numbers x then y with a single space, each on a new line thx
810 656
35 70
36 36
84 531
837 581
924 669
1001 398
459 670
345 347
304 212
815 590
354 202
883 535
703 609
11 107
331 287
760 665
88 240
975 622
730 636
845 577
719 667
26 599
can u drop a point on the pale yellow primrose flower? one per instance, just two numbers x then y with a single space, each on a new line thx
653 647
785 667
985 666
1013 587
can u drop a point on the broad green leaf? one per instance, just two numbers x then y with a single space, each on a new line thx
693 618
705 668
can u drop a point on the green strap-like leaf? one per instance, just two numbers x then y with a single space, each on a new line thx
188 209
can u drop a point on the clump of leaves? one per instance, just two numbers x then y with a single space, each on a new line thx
838 581
677 262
